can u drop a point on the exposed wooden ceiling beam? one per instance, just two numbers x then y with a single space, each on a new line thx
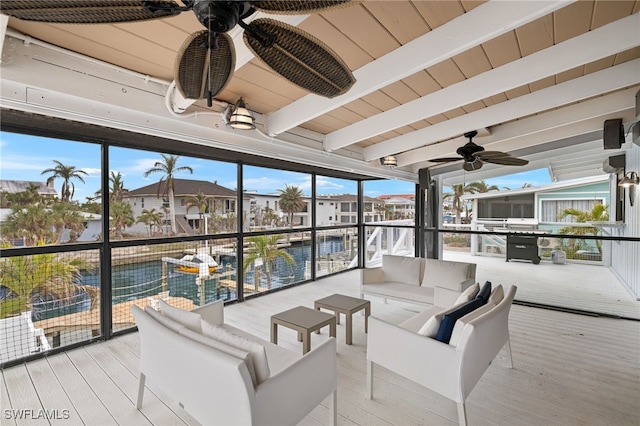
608 80
469 30
535 130
589 47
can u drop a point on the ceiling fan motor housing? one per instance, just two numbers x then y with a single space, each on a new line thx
220 16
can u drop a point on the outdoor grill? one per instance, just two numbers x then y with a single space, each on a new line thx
522 247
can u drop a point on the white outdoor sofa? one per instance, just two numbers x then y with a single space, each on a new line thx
232 378
418 280
451 369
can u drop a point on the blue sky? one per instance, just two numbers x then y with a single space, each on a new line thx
24 157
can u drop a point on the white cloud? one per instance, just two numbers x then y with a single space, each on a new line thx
262 184
92 172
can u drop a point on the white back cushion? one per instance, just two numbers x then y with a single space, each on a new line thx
496 295
191 320
257 351
457 329
223 347
442 272
430 328
468 294
401 269
164 320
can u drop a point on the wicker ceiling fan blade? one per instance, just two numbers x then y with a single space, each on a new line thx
492 154
89 11
293 7
197 63
507 161
299 57
445 159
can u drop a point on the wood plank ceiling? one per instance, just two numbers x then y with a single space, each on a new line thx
478 55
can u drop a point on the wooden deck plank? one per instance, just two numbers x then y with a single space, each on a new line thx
5 402
25 402
87 403
569 370
58 406
115 401
580 286
129 360
127 382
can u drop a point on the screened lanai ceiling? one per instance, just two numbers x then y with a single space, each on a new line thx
530 76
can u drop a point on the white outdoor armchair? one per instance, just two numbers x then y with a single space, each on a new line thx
19 338
451 371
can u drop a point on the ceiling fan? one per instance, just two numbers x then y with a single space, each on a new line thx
474 156
206 61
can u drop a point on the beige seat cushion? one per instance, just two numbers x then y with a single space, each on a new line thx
401 291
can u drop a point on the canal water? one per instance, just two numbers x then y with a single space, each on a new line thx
144 279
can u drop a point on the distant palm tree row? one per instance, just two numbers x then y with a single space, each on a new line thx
35 218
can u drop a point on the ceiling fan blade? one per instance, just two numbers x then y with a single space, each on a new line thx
299 57
445 159
297 6
196 63
492 154
89 11
507 161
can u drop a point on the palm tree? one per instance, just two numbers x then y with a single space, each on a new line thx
524 185
456 195
44 275
291 201
117 189
201 202
270 216
597 213
23 198
168 167
31 223
152 218
121 216
480 187
66 173
65 216
470 188
265 247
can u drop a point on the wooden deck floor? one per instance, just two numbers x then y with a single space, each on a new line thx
569 370
578 286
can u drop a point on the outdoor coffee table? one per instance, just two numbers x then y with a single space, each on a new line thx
347 305
305 321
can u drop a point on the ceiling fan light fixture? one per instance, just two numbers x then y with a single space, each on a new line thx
472 165
240 117
389 160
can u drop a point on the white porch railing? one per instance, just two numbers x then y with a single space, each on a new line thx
388 239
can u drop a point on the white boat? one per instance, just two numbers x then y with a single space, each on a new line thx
193 262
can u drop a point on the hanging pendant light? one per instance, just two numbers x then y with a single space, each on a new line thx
389 160
240 117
